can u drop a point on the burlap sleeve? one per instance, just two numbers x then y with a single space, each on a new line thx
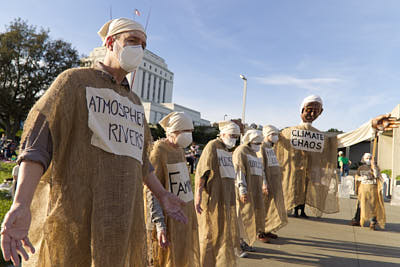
148 140
240 160
62 90
205 165
38 146
158 158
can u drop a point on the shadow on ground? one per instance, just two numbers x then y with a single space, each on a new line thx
328 245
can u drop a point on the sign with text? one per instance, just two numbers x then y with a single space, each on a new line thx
179 181
256 166
307 140
271 157
117 123
225 163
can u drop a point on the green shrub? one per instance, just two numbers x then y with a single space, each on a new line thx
388 172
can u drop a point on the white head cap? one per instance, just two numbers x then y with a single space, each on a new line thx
176 121
228 127
365 155
340 153
309 99
120 25
253 136
269 129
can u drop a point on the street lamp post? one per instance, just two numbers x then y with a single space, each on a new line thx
244 96
225 116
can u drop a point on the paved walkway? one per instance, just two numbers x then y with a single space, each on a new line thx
331 241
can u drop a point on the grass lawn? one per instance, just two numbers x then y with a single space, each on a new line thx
5 200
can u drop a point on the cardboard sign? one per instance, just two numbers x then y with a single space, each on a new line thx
307 140
179 181
225 163
256 166
271 157
117 123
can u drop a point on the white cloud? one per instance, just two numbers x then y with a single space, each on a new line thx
313 84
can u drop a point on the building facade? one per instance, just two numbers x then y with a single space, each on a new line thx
153 83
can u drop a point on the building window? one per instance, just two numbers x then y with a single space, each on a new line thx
165 85
154 90
148 87
170 78
143 80
155 69
144 64
150 67
161 72
159 90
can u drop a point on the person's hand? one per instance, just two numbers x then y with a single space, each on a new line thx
14 234
385 122
244 198
172 206
198 201
265 190
162 238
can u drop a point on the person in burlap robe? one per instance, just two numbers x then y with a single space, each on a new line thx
87 206
251 185
215 200
370 203
276 215
308 160
179 245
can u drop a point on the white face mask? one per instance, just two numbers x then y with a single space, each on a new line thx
255 148
184 139
274 139
367 161
229 142
130 57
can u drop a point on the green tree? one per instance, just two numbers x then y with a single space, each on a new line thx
157 131
29 62
203 134
334 130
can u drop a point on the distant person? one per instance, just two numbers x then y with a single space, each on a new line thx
215 200
3 139
194 151
344 164
190 160
276 214
168 158
251 186
370 204
308 160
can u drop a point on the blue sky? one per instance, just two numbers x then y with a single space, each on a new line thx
346 51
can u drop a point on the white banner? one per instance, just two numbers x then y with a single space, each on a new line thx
179 181
225 163
256 166
307 140
271 157
117 124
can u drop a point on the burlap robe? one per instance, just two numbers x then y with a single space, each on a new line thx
371 201
251 215
88 207
276 215
218 228
308 177
184 238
